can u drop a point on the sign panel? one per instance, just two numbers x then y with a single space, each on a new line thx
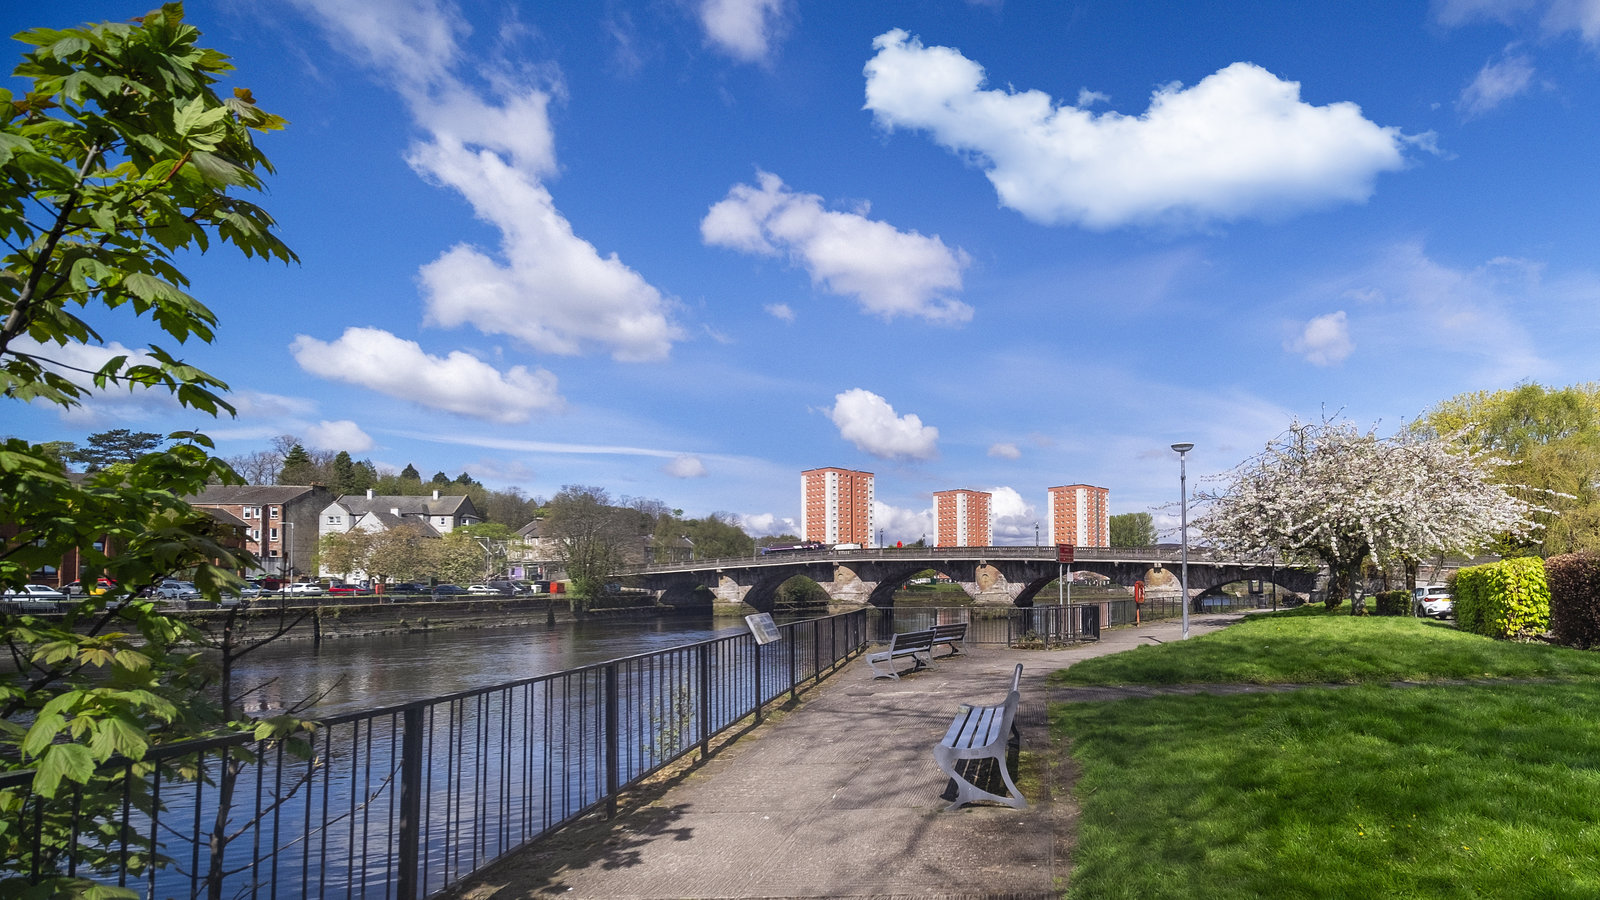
1064 552
762 626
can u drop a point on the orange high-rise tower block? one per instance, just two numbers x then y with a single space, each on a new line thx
1080 515
962 519
836 506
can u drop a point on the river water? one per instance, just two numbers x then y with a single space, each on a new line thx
354 674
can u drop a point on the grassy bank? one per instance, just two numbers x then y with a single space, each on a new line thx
1484 790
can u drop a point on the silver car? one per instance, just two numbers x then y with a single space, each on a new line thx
176 590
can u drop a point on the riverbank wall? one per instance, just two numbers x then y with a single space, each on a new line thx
345 620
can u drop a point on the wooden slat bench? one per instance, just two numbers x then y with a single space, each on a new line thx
918 645
977 735
951 635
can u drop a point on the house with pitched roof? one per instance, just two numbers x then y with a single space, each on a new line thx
279 521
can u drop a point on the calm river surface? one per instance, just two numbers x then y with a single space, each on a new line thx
362 673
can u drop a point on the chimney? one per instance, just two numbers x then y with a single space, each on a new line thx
369 493
435 495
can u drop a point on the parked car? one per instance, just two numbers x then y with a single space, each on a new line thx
347 589
406 587
303 587
448 590
487 589
176 590
1433 600
100 586
34 598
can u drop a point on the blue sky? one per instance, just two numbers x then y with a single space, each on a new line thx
686 249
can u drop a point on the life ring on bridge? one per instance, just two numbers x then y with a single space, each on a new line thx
1138 593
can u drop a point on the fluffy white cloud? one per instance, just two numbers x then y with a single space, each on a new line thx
685 467
1005 451
1554 16
458 383
548 287
1495 83
780 311
340 435
744 29
1324 340
868 421
904 525
891 272
1241 143
1014 518
768 523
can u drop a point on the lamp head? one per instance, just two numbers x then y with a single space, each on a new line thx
1183 448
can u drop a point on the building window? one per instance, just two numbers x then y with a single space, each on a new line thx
255 534
273 553
274 510
273 534
333 520
244 513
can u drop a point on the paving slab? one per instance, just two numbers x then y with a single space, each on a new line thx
838 796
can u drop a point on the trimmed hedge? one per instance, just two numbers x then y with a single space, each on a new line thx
1393 603
1575 598
1507 599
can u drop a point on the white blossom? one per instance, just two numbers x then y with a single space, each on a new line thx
1331 491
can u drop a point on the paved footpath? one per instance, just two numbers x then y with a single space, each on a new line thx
837 797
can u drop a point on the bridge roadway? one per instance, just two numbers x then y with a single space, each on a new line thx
989 575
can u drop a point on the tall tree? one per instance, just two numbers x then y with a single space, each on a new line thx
1133 530
1341 495
297 467
117 160
410 473
589 535
1550 439
343 475
118 445
260 467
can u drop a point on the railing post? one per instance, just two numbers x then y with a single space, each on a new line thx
756 655
794 682
410 838
612 741
703 656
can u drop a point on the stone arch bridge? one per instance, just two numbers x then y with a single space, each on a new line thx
990 575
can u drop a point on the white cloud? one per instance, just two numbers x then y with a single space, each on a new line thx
780 311
685 467
1554 16
768 523
744 29
868 421
1241 143
1016 521
458 383
1325 340
1495 83
903 525
549 287
1005 451
1087 97
891 272
340 435
77 362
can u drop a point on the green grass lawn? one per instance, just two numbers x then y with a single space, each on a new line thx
1488 790
1309 646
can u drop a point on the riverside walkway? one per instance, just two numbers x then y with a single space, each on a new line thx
839 797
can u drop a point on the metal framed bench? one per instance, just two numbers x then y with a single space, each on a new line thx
952 635
979 737
918 645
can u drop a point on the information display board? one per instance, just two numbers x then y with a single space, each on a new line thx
762 626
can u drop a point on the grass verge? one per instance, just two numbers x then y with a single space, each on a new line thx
1438 790
1310 646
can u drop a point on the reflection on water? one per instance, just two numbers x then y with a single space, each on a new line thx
362 673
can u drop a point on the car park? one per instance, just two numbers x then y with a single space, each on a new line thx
446 591
486 589
99 586
303 587
405 587
34 598
347 589
1434 601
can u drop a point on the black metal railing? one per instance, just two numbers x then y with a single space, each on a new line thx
405 801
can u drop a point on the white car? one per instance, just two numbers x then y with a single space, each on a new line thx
1433 600
483 589
34 597
303 587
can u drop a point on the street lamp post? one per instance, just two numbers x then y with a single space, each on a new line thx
1183 504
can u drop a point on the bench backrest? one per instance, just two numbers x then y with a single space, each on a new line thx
912 640
956 630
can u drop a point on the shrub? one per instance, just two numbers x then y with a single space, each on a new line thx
1507 599
1393 603
1575 598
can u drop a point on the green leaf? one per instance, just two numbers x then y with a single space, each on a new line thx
69 761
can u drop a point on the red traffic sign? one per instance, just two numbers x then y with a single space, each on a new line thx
1064 553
